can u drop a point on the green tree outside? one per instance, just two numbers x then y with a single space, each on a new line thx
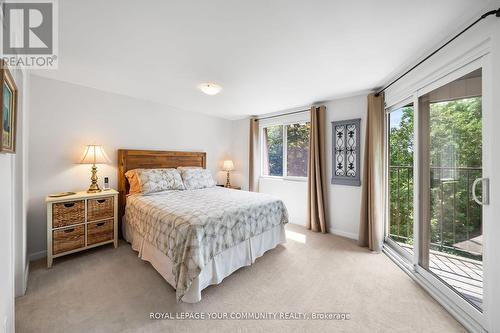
455 155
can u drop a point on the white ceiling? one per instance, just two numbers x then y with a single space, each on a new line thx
268 55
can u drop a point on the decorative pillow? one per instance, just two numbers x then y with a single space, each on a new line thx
154 180
197 178
133 180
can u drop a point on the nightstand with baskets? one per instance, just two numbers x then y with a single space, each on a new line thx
81 221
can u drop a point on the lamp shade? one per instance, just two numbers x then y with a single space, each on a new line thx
228 165
94 154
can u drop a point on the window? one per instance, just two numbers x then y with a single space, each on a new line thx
297 149
285 150
273 151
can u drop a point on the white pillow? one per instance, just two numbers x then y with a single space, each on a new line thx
155 180
197 178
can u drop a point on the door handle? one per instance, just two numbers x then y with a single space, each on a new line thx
485 192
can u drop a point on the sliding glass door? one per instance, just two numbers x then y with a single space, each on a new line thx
451 136
437 197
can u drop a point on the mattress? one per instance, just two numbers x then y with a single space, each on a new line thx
201 228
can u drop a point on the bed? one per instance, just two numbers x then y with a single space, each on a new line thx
195 238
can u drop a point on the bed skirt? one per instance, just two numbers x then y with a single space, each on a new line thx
222 265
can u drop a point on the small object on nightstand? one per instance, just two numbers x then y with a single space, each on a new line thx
81 221
106 184
61 194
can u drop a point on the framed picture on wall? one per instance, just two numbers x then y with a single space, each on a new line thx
346 152
8 102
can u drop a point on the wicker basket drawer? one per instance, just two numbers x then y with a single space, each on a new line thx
98 232
100 209
68 213
68 239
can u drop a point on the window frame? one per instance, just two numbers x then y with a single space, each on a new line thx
283 122
413 100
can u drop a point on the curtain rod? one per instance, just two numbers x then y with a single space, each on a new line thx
485 15
282 114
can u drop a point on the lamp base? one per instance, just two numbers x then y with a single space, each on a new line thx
94 187
228 183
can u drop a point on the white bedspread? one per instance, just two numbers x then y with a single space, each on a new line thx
191 227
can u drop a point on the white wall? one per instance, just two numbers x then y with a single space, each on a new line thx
292 192
240 136
343 202
12 227
21 263
65 117
6 242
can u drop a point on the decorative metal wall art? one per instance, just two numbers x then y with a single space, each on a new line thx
346 148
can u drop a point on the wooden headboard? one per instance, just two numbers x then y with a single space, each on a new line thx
148 159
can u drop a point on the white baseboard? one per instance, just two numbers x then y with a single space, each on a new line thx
37 255
337 232
21 286
26 274
343 233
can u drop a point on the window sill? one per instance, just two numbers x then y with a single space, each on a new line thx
293 179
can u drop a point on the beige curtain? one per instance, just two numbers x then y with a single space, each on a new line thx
265 152
254 156
316 172
371 228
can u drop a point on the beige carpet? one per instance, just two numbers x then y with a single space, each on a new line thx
111 290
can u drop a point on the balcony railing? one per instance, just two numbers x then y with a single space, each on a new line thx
455 217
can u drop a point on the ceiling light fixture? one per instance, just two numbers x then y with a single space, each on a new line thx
210 88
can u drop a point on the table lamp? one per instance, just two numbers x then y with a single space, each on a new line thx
94 154
228 166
